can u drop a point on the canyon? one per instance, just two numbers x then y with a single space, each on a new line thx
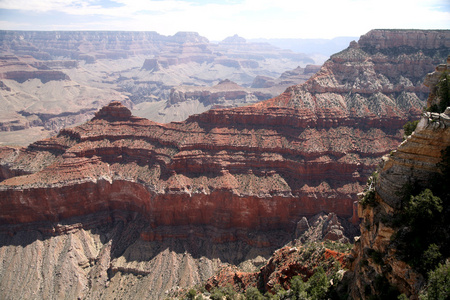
133 208
51 80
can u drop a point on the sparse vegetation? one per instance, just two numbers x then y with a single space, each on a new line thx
253 293
368 199
424 234
226 292
369 193
443 92
409 128
438 287
423 222
191 294
328 273
336 246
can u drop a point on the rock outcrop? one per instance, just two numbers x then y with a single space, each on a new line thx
295 259
415 163
261 171
225 93
11 67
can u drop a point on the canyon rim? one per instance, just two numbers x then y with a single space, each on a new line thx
121 206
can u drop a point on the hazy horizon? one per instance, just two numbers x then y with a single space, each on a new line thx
218 19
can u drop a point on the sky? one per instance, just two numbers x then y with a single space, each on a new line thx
218 19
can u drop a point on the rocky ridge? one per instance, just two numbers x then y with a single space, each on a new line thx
416 162
250 168
289 78
369 80
221 94
315 244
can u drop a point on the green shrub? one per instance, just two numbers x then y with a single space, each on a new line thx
444 91
368 199
438 283
253 293
431 257
191 294
409 127
217 294
318 284
423 208
299 288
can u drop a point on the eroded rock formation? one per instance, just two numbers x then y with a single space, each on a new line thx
242 178
416 162
40 94
228 172
295 259
223 94
57 72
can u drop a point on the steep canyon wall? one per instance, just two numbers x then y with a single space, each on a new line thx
240 177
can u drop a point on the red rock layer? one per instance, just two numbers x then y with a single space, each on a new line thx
227 176
284 264
261 167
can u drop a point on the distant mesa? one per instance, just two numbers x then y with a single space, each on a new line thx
235 39
25 68
189 37
147 66
114 111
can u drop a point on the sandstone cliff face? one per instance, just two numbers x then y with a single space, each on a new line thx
228 173
415 161
380 77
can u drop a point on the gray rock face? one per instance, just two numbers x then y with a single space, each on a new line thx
104 256
324 227
302 226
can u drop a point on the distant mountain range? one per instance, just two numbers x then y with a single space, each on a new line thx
324 47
